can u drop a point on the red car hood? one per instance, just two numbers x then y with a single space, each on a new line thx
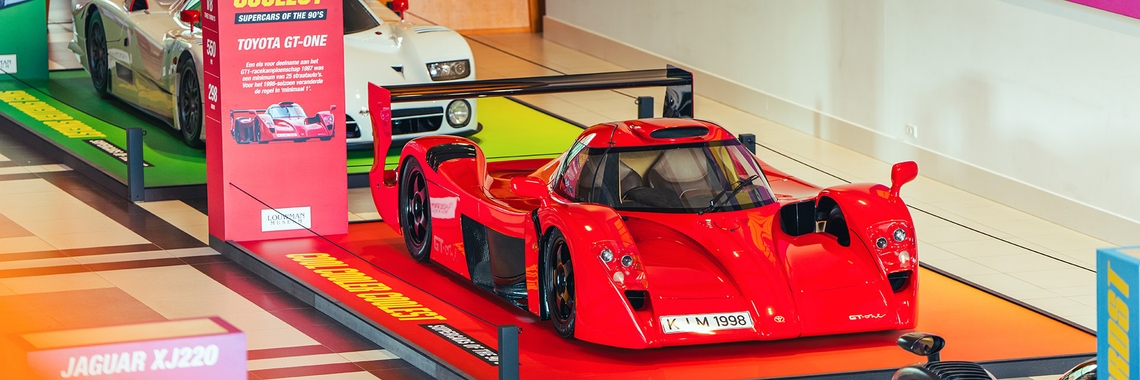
794 286
289 122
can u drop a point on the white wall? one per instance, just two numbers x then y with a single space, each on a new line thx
1045 93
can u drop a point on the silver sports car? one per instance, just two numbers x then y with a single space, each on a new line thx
147 54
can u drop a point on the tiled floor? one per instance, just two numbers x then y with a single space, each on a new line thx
72 255
64 242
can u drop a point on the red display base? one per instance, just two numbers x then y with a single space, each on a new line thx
455 323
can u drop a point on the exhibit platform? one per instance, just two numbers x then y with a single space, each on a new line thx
447 327
64 117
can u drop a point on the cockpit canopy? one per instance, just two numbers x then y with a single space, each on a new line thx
665 178
285 110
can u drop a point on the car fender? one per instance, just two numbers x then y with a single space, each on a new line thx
866 207
603 314
385 182
327 119
872 213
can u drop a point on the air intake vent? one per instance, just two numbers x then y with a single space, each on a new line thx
899 280
679 132
439 154
958 371
429 29
636 298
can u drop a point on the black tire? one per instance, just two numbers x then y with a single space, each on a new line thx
558 284
189 103
415 211
326 138
97 54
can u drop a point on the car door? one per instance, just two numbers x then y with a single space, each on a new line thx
152 27
119 25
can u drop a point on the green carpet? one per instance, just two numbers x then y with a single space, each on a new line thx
76 114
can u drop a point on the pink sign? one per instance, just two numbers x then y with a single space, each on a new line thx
1130 8
219 356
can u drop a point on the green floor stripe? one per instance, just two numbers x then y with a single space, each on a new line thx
70 106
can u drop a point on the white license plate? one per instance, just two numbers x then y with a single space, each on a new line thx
705 322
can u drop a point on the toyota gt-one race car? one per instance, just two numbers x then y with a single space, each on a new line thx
148 53
659 232
281 121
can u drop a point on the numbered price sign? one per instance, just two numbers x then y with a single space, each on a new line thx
274 100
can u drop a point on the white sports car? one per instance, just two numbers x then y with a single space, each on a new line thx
146 53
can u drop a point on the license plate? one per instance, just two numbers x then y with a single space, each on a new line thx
705 322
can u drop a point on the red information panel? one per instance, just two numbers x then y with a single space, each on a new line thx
274 118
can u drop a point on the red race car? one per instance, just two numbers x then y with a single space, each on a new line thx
653 232
281 121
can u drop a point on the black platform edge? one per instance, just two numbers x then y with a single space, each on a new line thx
358 180
1009 299
35 140
1002 369
346 316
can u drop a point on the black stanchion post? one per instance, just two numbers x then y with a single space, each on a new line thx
135 164
644 107
508 352
749 141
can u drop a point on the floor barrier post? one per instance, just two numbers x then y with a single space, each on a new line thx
508 352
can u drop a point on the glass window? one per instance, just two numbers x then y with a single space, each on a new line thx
292 110
685 178
572 167
357 17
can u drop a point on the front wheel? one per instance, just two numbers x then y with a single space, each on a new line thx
415 211
97 54
189 115
558 283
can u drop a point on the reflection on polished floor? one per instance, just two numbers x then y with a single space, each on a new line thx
73 255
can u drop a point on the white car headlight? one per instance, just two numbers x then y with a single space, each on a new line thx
449 70
458 113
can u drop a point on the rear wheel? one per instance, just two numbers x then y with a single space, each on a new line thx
558 284
415 211
97 53
189 103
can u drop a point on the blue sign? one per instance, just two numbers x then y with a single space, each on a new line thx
1118 312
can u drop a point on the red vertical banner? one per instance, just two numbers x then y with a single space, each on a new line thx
274 101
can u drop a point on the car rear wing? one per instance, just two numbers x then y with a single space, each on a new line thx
678 85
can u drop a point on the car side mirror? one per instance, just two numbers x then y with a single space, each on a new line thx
924 344
399 6
530 187
901 173
190 17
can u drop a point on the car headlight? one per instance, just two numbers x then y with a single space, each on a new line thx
458 113
449 70
607 255
900 235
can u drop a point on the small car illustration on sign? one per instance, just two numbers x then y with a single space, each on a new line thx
281 121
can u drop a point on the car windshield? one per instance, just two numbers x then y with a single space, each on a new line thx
357 17
283 111
675 178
